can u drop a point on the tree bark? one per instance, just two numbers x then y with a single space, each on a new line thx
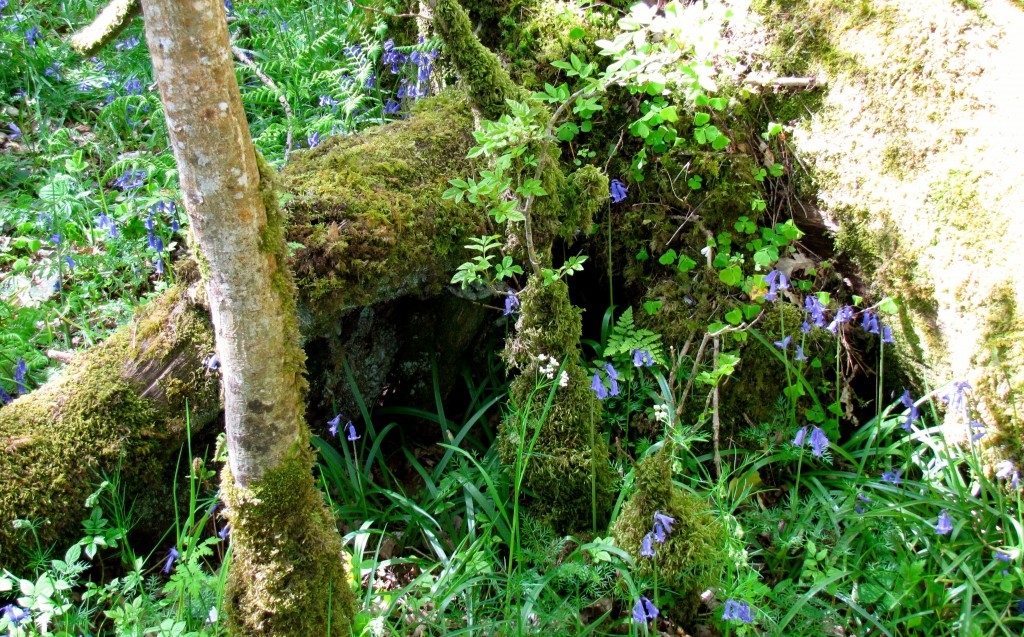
287 575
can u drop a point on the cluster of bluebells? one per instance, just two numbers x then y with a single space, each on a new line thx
16 615
818 440
598 387
661 529
737 611
644 610
350 429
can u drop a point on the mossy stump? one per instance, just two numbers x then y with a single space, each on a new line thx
692 557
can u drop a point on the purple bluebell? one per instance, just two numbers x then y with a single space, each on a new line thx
31 35
152 240
647 546
737 611
393 57
131 179
642 358
858 509
133 86
776 280
223 533
912 414
869 321
334 424
3 4
149 224
350 432
511 302
800 356
1003 557
887 335
313 139
53 71
370 81
805 328
4 396
975 424
944 525
843 315
598 387
784 343
614 389
54 239
15 131
211 362
327 100
158 265
20 374
174 226
644 611
612 374
864 498
391 107
618 191
283 27
128 43
662 526
1004 469
813 306
801 435
15 614
956 396
893 477
229 6
84 87
172 557
819 442
57 285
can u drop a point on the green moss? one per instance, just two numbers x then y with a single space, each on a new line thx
567 472
692 559
585 191
488 82
287 574
369 214
120 406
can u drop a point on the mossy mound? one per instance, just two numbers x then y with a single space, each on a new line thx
567 472
368 211
693 556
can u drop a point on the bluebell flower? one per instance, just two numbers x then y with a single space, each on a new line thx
737 611
158 266
128 43
371 80
56 285
393 57
642 358
776 280
662 526
350 432
784 343
53 71
887 335
598 387
130 180
511 302
800 356
174 226
423 74
223 533
133 86
819 442
158 244
805 328
1004 469
54 239
977 425
228 6
893 477
149 224
800 437
150 237
614 390
956 396
15 614
20 374
31 35
618 191
612 374
355 50
15 131
813 306
284 26
864 498
644 611
843 315
944 525
391 107
3 4
172 557
313 139
647 546
334 424
211 362
912 413
858 509
1003 557
869 321
4 396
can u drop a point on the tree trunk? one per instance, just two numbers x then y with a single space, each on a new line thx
288 573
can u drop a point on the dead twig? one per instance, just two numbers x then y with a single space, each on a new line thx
248 62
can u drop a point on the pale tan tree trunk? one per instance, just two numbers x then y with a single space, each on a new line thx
287 574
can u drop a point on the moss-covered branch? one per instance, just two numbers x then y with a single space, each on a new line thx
111 21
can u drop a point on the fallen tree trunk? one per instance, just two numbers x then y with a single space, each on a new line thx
378 249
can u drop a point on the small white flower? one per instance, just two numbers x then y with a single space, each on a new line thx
1004 469
376 627
563 381
707 251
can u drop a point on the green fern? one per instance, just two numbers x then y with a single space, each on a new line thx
626 337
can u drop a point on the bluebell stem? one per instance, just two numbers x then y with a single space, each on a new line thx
944 525
644 611
334 424
618 191
172 557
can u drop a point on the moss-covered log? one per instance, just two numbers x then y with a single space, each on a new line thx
380 245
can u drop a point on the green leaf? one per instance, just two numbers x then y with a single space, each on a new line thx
732 275
652 307
586 126
701 119
577 33
720 142
888 306
567 131
735 316
642 255
751 311
669 114
694 182
686 263
667 258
